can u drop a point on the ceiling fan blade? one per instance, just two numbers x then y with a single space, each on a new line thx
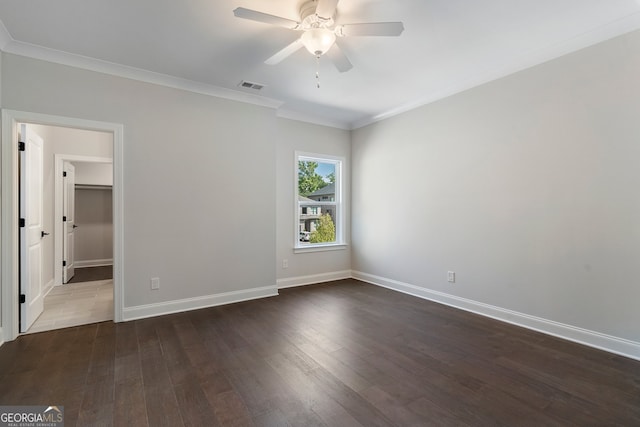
339 59
388 29
326 8
290 49
254 15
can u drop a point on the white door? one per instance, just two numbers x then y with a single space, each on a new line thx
31 234
68 221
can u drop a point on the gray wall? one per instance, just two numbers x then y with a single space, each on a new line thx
526 187
94 235
89 173
194 214
297 136
94 214
200 182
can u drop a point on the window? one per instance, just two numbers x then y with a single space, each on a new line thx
318 201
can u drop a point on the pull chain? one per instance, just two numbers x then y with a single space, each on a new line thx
318 71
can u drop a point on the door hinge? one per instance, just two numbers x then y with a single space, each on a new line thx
64 219
21 146
22 222
22 299
64 263
64 173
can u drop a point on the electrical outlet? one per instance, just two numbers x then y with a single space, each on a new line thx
451 276
155 283
285 263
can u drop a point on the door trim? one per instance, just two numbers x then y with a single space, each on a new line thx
9 207
59 159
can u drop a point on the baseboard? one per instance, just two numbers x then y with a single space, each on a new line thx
93 263
47 288
598 340
188 304
290 282
1 337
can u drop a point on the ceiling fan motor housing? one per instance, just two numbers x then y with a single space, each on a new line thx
309 19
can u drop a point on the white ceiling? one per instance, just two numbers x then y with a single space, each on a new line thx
447 46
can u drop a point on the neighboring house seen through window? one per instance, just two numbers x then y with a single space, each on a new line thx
319 204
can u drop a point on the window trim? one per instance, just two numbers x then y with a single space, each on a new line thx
339 163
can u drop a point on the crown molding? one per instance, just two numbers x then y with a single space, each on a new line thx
8 45
5 37
496 71
502 69
309 118
118 70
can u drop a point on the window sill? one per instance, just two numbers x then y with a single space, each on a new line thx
320 248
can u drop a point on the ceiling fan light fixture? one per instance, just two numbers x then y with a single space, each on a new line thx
318 40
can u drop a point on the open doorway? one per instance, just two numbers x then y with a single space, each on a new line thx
51 229
76 254
87 220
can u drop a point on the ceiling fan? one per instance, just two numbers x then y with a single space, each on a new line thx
319 31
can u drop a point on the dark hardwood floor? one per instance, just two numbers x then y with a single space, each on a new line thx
91 274
338 354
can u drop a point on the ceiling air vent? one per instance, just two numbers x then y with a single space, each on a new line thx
250 85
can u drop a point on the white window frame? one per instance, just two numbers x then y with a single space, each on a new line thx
339 163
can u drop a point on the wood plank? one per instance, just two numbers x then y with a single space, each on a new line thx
342 353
